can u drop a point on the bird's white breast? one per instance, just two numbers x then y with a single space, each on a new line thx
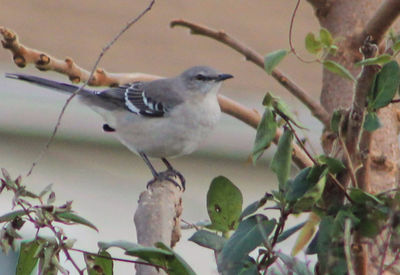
178 133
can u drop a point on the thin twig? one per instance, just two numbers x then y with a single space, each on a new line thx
64 249
104 50
300 142
347 246
348 161
315 107
386 244
117 259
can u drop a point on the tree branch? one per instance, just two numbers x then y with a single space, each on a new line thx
315 107
157 218
354 144
229 106
356 116
380 22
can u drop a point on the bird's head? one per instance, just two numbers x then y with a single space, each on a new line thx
202 79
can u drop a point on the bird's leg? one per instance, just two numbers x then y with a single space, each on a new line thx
148 163
175 172
158 176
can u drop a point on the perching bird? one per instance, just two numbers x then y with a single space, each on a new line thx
162 118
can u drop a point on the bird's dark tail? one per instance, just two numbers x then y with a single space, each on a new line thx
63 87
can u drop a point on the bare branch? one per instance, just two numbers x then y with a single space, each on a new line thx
229 106
354 130
315 107
23 55
380 22
363 86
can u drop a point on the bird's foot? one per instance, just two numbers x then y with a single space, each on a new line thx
176 173
169 175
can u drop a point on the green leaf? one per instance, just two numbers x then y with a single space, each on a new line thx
396 46
335 120
12 215
372 94
313 45
176 265
74 218
361 197
370 227
125 245
160 256
253 207
333 49
299 186
99 265
339 223
378 60
284 111
324 240
149 254
387 83
326 37
282 160
334 165
289 232
338 69
248 268
372 122
312 196
251 233
266 132
272 59
224 204
27 259
293 265
331 256
208 239
306 189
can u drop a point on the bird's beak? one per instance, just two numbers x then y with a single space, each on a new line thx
222 77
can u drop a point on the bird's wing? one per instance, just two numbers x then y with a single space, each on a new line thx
143 98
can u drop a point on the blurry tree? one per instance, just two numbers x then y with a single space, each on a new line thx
351 190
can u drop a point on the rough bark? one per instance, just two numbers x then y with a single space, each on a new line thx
157 219
352 21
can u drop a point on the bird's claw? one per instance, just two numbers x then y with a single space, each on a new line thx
169 175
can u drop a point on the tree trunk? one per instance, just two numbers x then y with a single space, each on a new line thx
350 22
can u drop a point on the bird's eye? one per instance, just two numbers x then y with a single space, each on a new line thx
200 77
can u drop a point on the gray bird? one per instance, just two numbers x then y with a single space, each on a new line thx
163 118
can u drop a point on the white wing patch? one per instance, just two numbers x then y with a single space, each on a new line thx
128 98
137 102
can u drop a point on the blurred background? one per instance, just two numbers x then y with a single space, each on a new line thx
88 166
